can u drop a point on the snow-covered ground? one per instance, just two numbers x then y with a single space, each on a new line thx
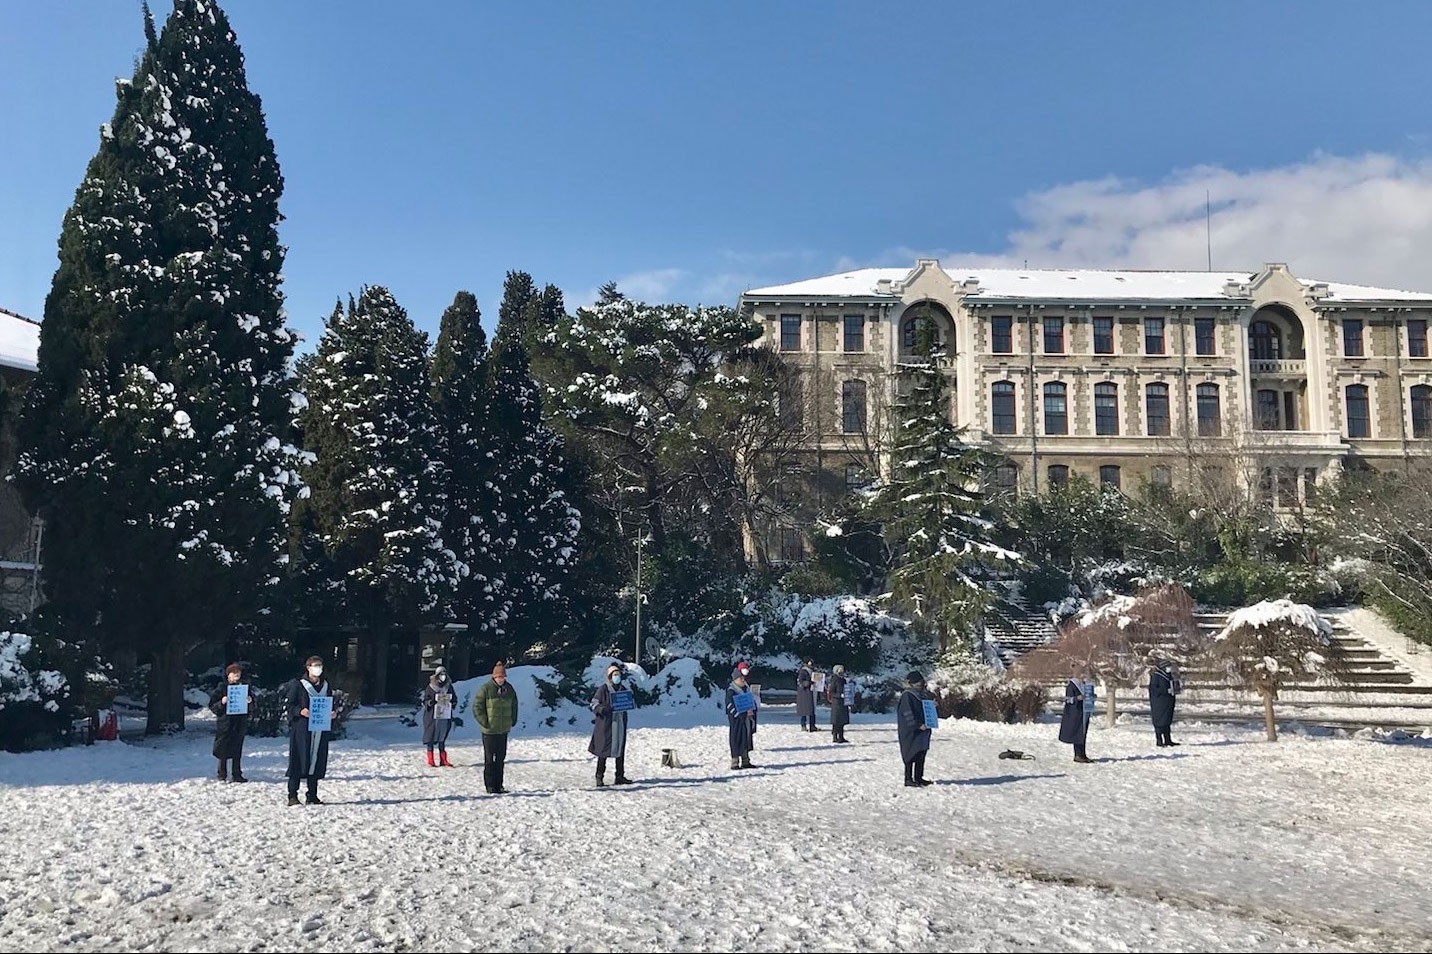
1227 843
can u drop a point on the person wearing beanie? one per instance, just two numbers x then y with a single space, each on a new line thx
229 730
835 694
307 750
805 695
741 725
914 734
1078 709
495 707
438 697
609 728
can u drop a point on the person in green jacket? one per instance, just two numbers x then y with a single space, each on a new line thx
495 708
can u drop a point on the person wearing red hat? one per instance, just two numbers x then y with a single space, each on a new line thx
495 708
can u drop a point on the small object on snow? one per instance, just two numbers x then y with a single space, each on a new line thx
669 759
1016 754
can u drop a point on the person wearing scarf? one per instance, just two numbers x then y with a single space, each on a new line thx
307 750
438 700
609 729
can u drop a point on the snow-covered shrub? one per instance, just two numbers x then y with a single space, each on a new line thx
832 629
36 699
1276 642
967 688
1243 583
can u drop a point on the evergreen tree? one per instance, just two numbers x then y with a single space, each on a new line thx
375 476
155 436
937 522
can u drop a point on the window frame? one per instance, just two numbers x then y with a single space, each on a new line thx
1108 339
1163 390
1150 323
1057 390
859 333
1053 326
1363 395
1200 325
1205 395
999 393
1352 334
799 332
1001 331
1106 409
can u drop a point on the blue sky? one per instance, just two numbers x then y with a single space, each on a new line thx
690 150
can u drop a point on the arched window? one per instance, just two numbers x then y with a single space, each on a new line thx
1058 476
1156 405
1359 420
1056 409
1002 411
1422 411
1109 476
1210 411
1266 341
852 406
1005 479
1106 408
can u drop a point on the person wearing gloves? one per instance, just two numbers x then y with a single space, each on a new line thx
307 750
438 698
1078 708
839 711
914 733
495 708
805 695
742 725
609 729
229 730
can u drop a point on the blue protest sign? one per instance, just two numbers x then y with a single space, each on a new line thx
1088 690
623 701
932 718
320 714
744 702
238 700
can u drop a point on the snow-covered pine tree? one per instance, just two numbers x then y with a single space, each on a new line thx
937 521
376 482
155 440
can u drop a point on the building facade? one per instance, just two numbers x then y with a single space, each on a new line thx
1122 377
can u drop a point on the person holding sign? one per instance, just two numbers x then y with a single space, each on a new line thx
230 705
310 722
914 730
610 705
835 694
741 717
495 708
805 695
438 699
1078 708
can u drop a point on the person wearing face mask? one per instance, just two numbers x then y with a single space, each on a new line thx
839 707
914 733
307 750
1078 709
437 715
805 695
609 728
229 730
495 707
741 725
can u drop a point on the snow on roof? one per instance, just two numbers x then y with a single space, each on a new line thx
1061 283
19 341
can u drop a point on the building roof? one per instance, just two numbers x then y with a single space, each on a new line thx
19 341
1073 284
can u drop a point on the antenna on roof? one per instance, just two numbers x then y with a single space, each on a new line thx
1208 225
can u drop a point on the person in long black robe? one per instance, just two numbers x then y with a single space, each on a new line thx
1074 723
914 733
229 730
1162 700
307 751
741 725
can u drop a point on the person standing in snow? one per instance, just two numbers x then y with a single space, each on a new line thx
229 730
742 725
438 698
835 693
609 728
307 750
495 708
805 695
914 733
1164 687
1078 708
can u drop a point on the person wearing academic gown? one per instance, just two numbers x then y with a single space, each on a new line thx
1074 724
741 725
609 729
805 695
1162 700
229 730
839 711
438 696
307 751
914 733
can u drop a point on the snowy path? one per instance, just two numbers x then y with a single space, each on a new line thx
1225 844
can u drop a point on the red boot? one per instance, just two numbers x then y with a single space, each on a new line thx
445 763
430 759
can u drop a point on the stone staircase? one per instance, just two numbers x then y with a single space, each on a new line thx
1013 628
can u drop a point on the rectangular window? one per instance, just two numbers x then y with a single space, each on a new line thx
1210 411
1203 336
852 407
1161 477
1053 335
1359 421
1006 479
792 397
1288 487
1103 336
1352 337
1265 415
1310 485
854 478
1056 410
1106 408
1153 336
1156 405
854 333
790 332
1422 410
1290 411
1109 476
1417 338
1002 411
1002 334
792 545
1058 475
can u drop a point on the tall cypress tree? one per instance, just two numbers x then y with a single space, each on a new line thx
155 436
937 522
375 474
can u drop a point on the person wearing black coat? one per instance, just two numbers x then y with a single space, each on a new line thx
1074 723
741 725
609 728
914 733
307 751
1163 697
839 711
229 730
438 705
805 695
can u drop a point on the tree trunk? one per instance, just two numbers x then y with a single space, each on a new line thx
166 690
1268 717
1113 707
379 636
